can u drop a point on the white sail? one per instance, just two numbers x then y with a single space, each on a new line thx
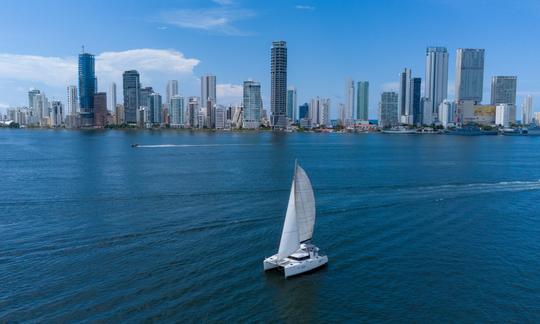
305 205
289 236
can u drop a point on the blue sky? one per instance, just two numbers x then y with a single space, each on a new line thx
328 42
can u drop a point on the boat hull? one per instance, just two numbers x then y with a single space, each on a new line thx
291 267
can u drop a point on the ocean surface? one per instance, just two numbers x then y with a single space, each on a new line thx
416 227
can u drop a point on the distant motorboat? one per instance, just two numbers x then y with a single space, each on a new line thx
515 132
135 145
296 253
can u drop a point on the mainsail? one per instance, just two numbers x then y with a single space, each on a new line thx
300 217
289 236
305 205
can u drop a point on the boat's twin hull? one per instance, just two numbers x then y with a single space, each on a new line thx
292 267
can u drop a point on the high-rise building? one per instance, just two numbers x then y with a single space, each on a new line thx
503 90
347 117
87 88
72 100
144 96
278 76
57 113
436 86
172 90
505 114
41 105
388 109
362 100
208 98
404 100
319 112
193 112
469 74
111 97
415 102
131 87
291 104
100 109
447 112
154 107
34 114
303 111
252 104
221 116
176 111
527 111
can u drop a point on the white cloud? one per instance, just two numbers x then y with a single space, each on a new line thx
304 7
219 20
224 2
229 93
53 74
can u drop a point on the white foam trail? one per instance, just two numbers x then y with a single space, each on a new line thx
193 145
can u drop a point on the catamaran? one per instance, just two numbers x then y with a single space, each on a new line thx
296 253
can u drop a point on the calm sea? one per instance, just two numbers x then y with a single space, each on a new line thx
417 228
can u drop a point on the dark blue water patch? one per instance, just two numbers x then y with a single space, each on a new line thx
417 228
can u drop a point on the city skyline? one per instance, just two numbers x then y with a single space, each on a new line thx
308 70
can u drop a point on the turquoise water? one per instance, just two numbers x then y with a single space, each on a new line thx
417 228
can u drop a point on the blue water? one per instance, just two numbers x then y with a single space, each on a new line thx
417 228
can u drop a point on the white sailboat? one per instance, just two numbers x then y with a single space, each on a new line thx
296 254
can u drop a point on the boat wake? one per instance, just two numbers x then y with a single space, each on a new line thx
192 145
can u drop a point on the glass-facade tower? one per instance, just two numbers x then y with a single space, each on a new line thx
87 88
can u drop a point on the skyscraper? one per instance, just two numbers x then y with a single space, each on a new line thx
208 98
111 97
503 90
154 107
347 114
291 104
176 110
319 112
57 113
72 100
388 109
172 90
527 111
303 111
469 74
278 75
193 112
252 104
415 102
404 100
100 109
131 86
436 86
87 88
362 100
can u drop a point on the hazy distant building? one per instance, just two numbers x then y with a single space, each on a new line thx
111 98
252 104
172 90
131 87
87 88
347 114
209 98
527 111
291 104
362 100
388 110
278 78
436 82
469 74
100 109
503 90
176 111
